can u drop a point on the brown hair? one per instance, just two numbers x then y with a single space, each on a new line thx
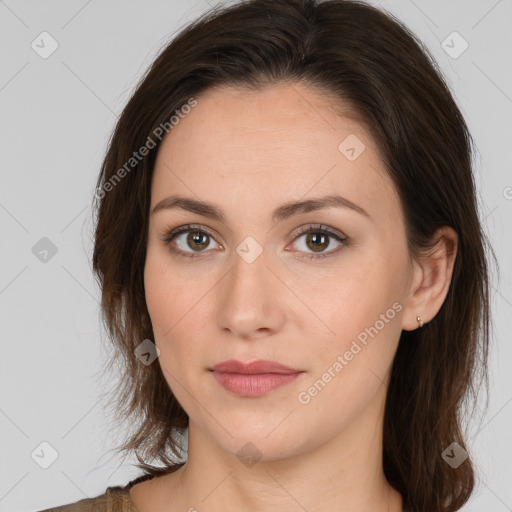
368 60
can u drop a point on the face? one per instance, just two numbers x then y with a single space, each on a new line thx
248 286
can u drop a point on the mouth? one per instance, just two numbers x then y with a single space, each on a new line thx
253 379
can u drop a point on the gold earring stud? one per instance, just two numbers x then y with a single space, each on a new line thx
420 322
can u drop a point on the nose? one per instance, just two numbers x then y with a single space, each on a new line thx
252 300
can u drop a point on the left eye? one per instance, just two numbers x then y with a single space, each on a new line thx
317 238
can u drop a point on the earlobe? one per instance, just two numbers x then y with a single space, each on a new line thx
431 280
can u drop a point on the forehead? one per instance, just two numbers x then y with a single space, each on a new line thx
285 141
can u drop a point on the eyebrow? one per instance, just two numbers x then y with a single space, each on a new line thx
283 212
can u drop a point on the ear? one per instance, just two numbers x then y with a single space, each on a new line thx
430 280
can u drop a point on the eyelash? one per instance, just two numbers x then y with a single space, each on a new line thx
318 228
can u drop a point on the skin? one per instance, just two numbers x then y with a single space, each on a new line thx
250 152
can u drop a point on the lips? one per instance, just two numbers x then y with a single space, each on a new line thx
253 379
255 367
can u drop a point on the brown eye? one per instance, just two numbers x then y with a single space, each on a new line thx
192 245
198 240
318 242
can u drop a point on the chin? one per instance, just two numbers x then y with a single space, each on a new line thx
261 444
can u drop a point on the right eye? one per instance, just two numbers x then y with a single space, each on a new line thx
196 238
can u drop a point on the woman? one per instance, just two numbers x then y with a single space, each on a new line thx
293 269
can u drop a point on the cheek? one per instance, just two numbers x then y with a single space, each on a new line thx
175 302
160 300
337 301
169 295
354 313
353 363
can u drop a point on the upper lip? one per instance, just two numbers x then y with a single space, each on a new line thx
254 367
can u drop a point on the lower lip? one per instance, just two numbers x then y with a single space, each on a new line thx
254 385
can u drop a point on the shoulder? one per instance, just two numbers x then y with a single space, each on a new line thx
109 501
114 499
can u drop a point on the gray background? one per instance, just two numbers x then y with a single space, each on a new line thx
56 116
